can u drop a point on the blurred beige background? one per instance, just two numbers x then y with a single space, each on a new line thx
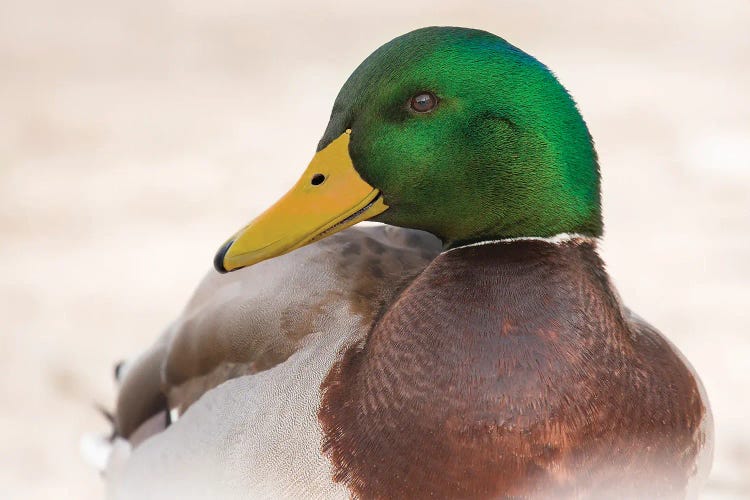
136 136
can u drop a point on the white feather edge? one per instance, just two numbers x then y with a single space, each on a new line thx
557 239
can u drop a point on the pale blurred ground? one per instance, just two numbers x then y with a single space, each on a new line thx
136 136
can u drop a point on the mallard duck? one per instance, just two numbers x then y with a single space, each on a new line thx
472 347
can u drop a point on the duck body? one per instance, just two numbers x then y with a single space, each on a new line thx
495 370
491 358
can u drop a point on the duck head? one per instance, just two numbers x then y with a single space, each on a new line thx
453 131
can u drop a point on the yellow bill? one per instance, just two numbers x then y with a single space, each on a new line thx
329 197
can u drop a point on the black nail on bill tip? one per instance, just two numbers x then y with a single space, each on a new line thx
219 258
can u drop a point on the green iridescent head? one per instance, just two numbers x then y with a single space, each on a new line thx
450 130
504 153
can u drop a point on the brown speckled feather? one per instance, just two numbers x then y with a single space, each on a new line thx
252 320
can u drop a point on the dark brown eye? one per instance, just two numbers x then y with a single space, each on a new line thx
423 102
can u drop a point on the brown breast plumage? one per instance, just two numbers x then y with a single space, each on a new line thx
511 370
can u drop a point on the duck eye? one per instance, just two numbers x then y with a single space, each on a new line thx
423 102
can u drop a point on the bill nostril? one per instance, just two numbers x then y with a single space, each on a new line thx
317 179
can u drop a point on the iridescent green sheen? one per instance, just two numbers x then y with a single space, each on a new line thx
504 154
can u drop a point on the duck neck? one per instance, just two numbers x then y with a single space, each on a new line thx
492 290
